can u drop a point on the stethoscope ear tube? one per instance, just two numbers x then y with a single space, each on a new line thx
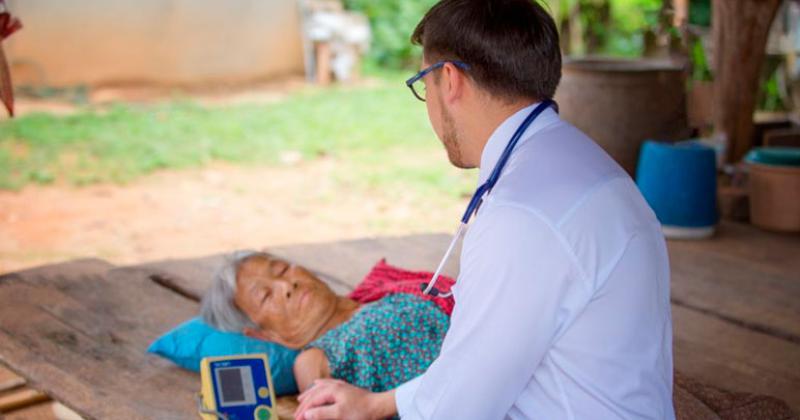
477 198
429 288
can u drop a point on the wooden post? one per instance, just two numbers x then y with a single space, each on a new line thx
740 30
323 63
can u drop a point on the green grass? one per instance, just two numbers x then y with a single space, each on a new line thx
380 136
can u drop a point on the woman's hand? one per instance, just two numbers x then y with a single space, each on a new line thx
332 399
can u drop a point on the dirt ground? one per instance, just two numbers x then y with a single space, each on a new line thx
174 214
199 212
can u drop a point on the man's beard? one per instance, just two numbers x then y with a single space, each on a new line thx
450 139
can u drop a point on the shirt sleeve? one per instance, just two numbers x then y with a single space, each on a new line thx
404 395
519 288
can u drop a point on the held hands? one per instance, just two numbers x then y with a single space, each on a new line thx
332 399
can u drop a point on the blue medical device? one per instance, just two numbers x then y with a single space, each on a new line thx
236 388
483 190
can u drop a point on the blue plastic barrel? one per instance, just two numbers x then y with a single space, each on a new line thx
679 181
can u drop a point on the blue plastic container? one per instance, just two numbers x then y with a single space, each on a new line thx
775 156
679 181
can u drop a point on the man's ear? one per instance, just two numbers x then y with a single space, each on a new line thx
453 82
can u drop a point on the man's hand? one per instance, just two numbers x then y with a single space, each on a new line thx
332 399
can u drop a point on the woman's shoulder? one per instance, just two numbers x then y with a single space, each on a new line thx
396 312
405 303
402 311
387 342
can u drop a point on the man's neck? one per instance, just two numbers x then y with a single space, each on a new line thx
489 115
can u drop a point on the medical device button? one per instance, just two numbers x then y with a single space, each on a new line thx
262 413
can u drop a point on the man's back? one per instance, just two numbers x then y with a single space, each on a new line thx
610 351
576 257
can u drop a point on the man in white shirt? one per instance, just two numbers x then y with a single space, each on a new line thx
562 301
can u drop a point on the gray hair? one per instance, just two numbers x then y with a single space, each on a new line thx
218 308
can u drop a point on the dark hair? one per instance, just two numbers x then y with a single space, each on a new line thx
511 46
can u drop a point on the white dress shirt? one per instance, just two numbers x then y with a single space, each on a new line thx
562 302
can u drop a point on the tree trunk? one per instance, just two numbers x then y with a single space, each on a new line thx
740 30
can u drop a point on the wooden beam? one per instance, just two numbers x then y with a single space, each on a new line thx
739 31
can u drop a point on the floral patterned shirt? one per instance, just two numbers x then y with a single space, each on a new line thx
386 343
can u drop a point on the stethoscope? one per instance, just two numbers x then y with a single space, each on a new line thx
483 190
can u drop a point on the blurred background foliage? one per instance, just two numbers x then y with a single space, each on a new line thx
392 22
614 28
609 27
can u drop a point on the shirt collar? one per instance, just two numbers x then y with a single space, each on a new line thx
502 134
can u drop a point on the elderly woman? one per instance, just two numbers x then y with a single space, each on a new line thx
376 346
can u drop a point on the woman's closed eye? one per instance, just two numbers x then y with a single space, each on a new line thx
265 296
279 268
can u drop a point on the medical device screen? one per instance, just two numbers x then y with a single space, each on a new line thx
236 386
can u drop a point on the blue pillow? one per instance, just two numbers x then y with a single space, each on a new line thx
190 342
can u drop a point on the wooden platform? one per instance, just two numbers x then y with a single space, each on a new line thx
78 331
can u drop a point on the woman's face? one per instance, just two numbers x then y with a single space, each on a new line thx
289 304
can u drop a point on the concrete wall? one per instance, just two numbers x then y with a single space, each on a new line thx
98 42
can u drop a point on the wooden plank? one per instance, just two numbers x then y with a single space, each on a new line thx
774 253
66 330
734 358
62 412
72 324
11 384
6 375
76 267
43 411
737 289
9 380
20 399
83 338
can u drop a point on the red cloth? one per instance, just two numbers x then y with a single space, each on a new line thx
385 279
8 25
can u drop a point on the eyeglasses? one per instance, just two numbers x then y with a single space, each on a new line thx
417 85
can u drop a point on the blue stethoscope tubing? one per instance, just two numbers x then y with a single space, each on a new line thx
483 190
